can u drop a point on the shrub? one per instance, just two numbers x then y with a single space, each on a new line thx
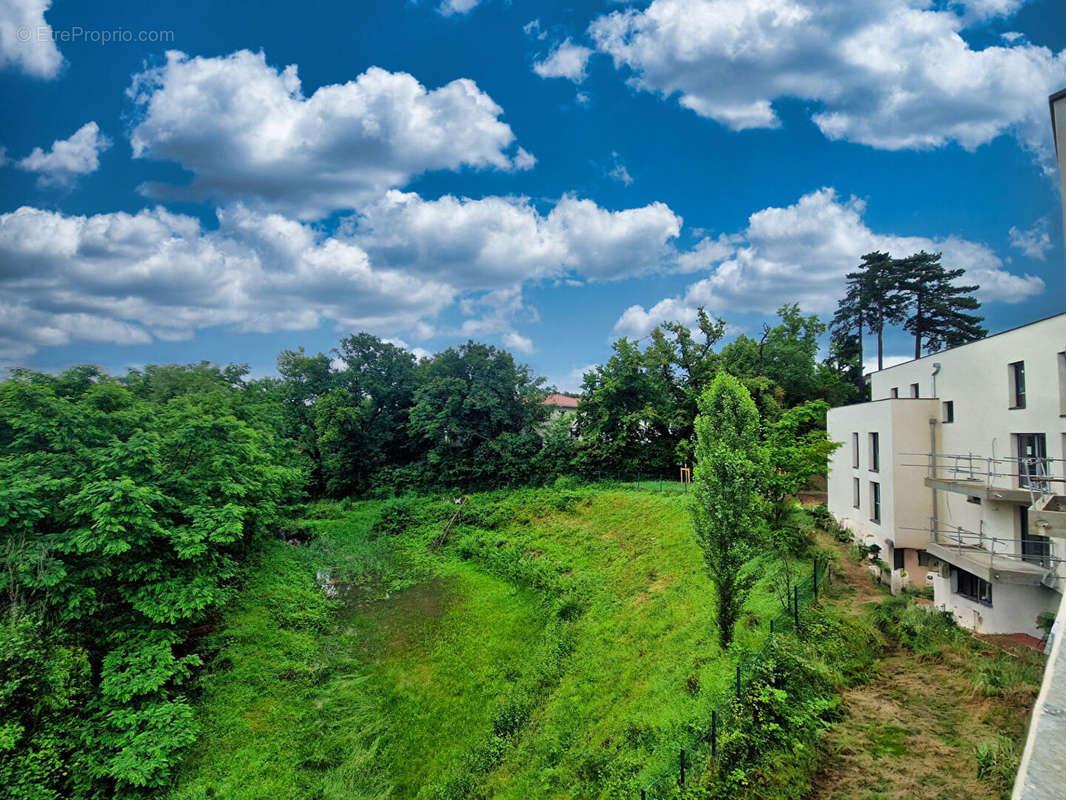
397 516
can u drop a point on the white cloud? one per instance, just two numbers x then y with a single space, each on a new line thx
887 73
26 39
619 171
981 10
533 29
497 242
515 341
800 254
132 278
247 133
566 60
68 158
870 364
449 7
1034 242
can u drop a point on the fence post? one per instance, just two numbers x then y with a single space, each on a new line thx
771 627
643 795
738 680
714 736
815 576
682 766
796 606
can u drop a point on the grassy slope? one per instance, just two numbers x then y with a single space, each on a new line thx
395 689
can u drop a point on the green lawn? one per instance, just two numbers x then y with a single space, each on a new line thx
558 644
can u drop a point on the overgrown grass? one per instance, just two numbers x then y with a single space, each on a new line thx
554 643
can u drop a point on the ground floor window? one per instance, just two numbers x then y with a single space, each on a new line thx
897 558
924 559
974 588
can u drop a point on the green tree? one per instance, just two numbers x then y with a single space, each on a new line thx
626 416
873 299
475 417
938 305
727 501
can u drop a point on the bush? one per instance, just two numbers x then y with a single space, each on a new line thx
397 516
919 628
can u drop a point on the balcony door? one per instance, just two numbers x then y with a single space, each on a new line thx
1036 549
1032 460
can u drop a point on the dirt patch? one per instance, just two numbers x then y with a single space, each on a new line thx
399 622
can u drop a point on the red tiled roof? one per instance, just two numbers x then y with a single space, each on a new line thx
559 401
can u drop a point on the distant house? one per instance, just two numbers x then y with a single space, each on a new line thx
560 404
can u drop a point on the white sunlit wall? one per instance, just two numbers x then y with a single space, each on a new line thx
995 400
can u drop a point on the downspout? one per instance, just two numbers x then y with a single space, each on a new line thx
936 369
935 523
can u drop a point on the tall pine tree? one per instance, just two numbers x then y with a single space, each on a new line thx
937 305
872 301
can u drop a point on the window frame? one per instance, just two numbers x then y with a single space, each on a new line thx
915 391
875 502
947 412
978 590
856 493
874 439
895 393
1016 380
855 450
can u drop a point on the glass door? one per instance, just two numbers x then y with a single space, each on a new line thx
1032 460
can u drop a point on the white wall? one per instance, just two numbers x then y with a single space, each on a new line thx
903 428
1014 607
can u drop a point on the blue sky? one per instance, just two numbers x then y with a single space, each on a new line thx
541 176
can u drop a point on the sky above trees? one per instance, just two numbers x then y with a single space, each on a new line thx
226 182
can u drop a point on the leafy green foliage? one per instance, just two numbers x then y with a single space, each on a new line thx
727 505
127 504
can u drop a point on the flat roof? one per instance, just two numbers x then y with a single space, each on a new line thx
977 341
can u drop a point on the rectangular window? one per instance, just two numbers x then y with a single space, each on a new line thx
855 450
924 559
855 493
895 392
875 501
875 452
974 588
1062 384
897 558
973 499
949 410
1016 376
914 390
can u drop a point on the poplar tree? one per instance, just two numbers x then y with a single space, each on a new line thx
937 304
728 507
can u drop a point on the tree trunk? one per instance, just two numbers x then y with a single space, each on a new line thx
880 339
918 327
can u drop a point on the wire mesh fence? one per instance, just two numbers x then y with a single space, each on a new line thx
669 772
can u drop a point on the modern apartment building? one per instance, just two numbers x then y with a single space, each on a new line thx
955 470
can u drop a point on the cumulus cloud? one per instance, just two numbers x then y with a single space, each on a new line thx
247 133
26 39
981 10
132 278
67 158
566 60
892 74
1035 242
801 254
449 7
496 242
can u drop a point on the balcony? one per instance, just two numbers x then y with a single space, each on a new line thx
993 559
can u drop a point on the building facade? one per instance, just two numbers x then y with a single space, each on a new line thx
954 469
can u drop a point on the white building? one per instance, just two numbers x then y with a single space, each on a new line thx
955 469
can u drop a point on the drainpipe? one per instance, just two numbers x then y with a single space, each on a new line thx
932 468
936 369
